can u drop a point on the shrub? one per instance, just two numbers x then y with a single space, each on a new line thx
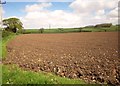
60 29
104 25
90 26
41 30
6 33
86 31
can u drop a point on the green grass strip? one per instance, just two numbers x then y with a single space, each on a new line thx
14 75
4 42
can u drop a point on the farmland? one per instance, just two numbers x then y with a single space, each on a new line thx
91 56
10 73
59 42
113 28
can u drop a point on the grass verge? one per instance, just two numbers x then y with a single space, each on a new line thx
4 42
14 75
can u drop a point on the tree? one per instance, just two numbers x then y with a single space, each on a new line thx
12 24
41 30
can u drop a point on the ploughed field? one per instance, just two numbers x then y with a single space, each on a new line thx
92 56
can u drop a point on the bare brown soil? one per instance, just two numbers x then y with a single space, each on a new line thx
92 57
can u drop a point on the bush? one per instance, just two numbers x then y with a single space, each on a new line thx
60 29
86 31
106 25
90 26
6 33
41 30
21 31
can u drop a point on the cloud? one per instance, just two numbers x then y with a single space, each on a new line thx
113 13
37 16
37 7
81 6
55 0
84 13
96 11
57 18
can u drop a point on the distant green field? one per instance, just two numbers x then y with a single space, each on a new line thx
111 29
68 30
29 31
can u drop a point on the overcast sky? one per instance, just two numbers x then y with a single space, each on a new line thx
75 13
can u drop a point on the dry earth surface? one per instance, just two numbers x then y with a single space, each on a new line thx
92 56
